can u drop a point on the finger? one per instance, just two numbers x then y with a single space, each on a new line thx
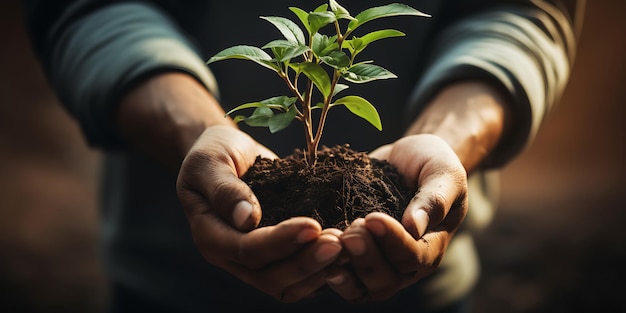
221 244
223 193
398 246
431 247
435 197
343 257
369 264
270 244
264 152
412 259
309 286
212 169
298 269
304 289
381 152
433 244
343 281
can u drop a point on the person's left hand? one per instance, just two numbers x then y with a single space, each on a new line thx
386 255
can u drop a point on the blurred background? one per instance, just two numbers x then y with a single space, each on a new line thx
555 245
48 190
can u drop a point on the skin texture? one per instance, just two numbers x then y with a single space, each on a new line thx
458 129
173 118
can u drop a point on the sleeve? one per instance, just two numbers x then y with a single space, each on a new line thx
93 53
526 48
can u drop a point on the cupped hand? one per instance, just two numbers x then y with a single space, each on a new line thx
386 255
285 260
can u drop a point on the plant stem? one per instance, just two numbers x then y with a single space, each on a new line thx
304 116
313 143
324 114
311 153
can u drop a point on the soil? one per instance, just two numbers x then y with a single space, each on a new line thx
344 185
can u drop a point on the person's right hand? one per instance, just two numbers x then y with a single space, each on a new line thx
285 261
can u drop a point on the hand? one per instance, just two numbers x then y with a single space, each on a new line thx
386 255
285 260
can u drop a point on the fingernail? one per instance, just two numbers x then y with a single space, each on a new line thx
307 235
420 217
354 244
336 280
327 252
376 227
241 213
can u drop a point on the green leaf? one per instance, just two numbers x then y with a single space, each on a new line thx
394 9
303 16
239 118
362 108
282 120
359 44
246 53
316 74
362 73
293 52
280 103
354 45
285 50
289 29
260 117
321 8
339 11
279 53
317 20
339 88
279 43
380 34
330 48
323 45
336 59
245 106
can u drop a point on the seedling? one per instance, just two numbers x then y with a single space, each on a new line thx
324 60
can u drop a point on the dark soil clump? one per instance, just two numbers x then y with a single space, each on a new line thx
343 186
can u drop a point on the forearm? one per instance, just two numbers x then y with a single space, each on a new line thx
523 50
94 54
471 116
165 114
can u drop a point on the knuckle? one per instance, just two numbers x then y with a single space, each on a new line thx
223 189
436 205
438 199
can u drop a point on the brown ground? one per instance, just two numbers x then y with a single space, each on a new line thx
344 185
556 244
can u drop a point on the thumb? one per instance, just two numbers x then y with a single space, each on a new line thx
232 199
208 182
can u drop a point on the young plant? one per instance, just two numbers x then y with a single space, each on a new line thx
324 60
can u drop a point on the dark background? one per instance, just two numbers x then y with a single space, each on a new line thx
556 244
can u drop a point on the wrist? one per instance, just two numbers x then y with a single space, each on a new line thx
163 116
471 117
